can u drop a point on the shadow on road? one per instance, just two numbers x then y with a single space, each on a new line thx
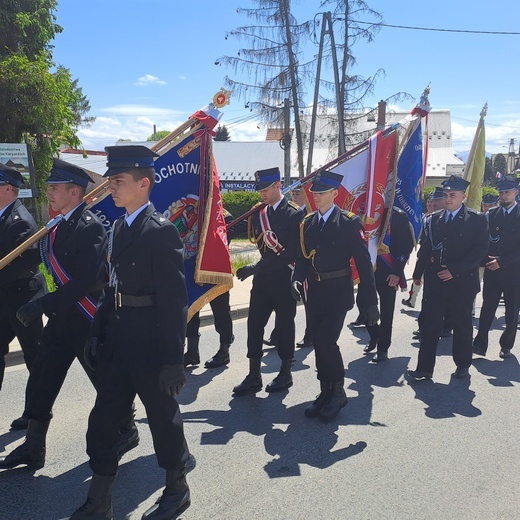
443 401
501 373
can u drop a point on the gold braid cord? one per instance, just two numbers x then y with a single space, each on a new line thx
250 230
311 254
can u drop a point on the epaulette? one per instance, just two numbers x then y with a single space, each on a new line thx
311 214
398 210
348 214
294 205
257 204
476 211
159 218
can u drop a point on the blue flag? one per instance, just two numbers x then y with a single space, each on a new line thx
409 183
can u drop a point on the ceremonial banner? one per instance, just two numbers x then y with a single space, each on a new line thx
476 165
187 192
367 186
409 184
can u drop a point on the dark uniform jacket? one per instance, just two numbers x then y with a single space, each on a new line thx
459 246
340 240
81 248
504 242
22 274
401 245
284 223
148 261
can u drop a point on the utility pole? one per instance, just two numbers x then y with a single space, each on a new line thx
285 142
327 29
381 115
511 157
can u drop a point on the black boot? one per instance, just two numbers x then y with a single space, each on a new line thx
253 380
192 356
129 435
283 380
321 400
21 423
220 358
337 400
32 451
99 500
174 500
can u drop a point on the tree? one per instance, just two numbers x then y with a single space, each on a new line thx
500 164
489 176
273 63
222 134
39 101
158 135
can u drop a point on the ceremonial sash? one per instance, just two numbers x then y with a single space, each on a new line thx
269 236
86 305
389 260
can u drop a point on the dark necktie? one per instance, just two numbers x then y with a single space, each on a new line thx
321 223
270 212
450 218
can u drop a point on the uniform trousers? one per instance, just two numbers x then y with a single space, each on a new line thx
457 301
63 340
382 332
497 284
10 327
271 292
221 318
326 328
119 382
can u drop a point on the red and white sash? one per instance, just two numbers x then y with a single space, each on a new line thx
86 305
269 236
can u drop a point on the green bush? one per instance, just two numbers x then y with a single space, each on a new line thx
239 202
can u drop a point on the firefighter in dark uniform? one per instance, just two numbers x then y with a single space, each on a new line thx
389 277
75 253
329 238
274 229
502 270
21 280
454 242
137 338
223 325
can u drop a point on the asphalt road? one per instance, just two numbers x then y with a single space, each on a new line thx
440 449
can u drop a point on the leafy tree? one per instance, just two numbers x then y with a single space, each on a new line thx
39 101
222 133
158 135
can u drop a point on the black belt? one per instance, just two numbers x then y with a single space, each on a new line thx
127 300
331 274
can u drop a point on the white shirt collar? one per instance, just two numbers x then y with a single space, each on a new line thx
68 215
130 218
328 214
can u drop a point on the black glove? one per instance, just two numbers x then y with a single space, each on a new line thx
30 312
247 271
172 379
296 290
91 353
371 315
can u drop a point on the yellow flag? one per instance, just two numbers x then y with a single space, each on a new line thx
476 168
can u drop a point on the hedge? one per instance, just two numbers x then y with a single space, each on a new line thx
239 202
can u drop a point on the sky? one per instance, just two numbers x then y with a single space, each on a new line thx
146 62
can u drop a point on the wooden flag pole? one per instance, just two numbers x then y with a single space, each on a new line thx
94 196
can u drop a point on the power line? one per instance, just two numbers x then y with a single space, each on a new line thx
380 24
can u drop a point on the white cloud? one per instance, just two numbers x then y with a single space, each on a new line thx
182 78
148 79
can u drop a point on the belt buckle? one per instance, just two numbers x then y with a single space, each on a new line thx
118 300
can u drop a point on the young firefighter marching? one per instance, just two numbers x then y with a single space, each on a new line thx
137 338
329 238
